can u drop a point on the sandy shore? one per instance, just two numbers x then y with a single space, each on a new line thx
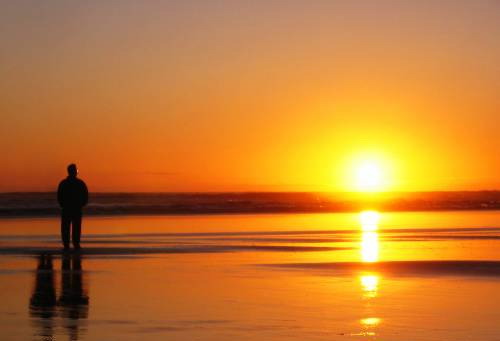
286 277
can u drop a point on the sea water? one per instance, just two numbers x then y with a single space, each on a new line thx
340 276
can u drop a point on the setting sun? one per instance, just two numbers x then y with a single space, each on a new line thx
370 172
369 176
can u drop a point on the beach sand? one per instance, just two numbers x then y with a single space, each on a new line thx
402 276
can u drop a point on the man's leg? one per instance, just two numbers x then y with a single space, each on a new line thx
65 224
77 229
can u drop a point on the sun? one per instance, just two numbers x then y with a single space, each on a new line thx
369 176
370 172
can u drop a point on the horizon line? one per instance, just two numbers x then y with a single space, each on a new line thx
266 192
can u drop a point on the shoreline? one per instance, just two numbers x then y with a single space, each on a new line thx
54 213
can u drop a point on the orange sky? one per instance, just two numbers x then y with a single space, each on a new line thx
252 96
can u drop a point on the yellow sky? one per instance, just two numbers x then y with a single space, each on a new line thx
251 96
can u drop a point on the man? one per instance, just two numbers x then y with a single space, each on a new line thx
72 195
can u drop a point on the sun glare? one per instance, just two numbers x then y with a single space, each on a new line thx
369 176
370 171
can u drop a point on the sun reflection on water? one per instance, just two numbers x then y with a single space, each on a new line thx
369 237
369 251
369 220
369 284
369 247
370 321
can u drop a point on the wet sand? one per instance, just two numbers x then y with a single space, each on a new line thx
412 276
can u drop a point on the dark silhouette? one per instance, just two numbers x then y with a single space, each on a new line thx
72 195
43 297
73 299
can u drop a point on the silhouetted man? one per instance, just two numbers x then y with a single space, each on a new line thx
72 195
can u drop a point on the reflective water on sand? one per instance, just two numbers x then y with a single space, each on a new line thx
375 276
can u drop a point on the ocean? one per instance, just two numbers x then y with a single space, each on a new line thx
45 204
366 275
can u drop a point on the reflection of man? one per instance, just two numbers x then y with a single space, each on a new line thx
72 195
72 304
73 299
43 298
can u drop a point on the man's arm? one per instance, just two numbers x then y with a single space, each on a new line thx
60 194
85 194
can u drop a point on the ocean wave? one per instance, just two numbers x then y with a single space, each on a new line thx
45 204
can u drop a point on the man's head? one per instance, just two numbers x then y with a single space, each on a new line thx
72 170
